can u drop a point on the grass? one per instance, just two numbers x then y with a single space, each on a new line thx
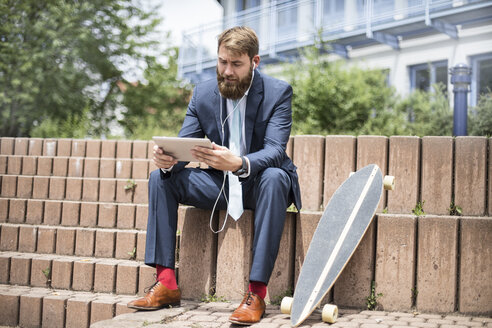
419 209
211 298
372 299
455 209
130 185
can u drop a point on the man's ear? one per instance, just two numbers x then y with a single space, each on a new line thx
256 61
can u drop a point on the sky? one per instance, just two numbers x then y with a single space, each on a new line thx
182 15
178 16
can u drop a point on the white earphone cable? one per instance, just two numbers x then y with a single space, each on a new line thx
222 123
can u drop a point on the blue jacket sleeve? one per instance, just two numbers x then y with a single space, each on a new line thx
277 133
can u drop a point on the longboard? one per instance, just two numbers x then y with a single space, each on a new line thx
340 230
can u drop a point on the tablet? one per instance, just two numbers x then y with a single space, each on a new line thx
180 148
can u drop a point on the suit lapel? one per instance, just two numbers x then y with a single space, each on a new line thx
255 96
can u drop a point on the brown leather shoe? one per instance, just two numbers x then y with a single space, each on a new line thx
250 311
157 297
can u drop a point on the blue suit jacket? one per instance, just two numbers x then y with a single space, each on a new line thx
268 121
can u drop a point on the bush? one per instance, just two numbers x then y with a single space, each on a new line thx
480 117
76 125
427 113
330 98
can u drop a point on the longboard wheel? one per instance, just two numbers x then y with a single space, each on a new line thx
329 313
286 305
389 182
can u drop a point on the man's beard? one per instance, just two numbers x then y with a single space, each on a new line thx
234 90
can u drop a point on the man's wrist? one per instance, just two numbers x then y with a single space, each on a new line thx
243 168
238 165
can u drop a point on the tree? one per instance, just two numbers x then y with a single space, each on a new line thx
158 105
61 60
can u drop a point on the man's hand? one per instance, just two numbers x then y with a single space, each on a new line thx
218 157
161 160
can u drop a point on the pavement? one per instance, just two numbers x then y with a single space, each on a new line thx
216 314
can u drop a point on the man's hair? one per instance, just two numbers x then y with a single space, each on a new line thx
240 40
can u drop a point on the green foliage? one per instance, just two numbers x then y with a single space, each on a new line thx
75 125
130 185
47 273
428 113
158 106
277 300
292 208
415 293
372 299
213 298
133 254
63 58
330 98
455 209
419 209
480 117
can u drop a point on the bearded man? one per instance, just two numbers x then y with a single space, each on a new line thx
247 116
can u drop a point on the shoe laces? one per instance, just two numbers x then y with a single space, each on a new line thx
151 288
249 298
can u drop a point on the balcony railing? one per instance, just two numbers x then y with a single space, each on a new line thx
284 27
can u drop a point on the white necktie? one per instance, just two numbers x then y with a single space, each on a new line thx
235 206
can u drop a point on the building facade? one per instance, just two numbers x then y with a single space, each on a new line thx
415 41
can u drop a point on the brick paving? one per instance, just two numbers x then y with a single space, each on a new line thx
200 315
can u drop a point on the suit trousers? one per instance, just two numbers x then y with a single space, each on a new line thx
268 194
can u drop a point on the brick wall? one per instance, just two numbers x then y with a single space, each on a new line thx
68 221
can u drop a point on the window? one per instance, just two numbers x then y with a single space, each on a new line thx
423 76
333 12
333 7
249 18
481 76
382 6
286 18
246 4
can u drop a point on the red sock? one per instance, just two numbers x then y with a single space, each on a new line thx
258 288
167 277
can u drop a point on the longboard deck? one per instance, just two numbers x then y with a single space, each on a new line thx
340 230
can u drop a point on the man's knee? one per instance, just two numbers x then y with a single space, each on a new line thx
155 176
156 180
275 177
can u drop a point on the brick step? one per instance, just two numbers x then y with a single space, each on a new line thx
74 213
65 166
99 275
76 147
45 307
72 188
99 242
